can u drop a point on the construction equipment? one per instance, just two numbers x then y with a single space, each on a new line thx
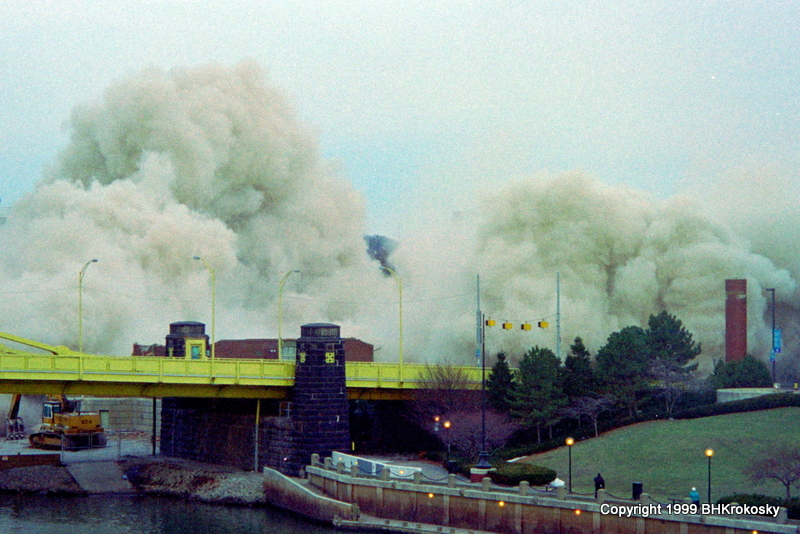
65 427
15 427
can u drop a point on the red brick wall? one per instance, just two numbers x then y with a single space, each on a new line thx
735 320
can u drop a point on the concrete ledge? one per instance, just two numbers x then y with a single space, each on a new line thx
283 492
734 394
482 506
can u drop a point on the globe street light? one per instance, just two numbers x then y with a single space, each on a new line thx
80 304
570 442
709 454
280 312
213 273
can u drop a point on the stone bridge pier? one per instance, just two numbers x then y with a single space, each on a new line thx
286 434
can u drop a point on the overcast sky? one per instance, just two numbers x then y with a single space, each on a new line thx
421 104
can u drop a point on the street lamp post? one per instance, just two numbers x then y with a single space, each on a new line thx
80 304
483 455
709 454
570 442
400 291
280 312
446 425
213 273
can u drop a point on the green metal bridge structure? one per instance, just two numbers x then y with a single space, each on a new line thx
59 370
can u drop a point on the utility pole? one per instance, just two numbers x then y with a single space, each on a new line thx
483 456
558 316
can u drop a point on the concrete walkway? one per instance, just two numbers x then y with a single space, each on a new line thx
100 477
372 524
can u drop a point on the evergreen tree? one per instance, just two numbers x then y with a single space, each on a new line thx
577 375
622 366
746 373
537 396
670 348
670 342
500 385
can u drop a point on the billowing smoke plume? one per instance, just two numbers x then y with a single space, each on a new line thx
211 162
621 255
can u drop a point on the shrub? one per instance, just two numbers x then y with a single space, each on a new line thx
511 474
765 402
746 373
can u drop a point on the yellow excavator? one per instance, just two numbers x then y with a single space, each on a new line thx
64 426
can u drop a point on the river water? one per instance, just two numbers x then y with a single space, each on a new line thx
40 514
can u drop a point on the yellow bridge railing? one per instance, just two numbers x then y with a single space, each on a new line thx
153 376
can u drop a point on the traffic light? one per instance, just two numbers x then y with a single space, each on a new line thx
526 326
490 322
543 324
507 326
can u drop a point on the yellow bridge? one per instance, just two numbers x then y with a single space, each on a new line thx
63 371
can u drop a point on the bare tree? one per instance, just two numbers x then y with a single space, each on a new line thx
443 389
672 382
781 464
464 434
591 408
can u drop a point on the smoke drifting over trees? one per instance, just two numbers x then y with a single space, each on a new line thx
213 162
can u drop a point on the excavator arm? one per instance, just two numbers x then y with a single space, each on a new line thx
15 427
59 350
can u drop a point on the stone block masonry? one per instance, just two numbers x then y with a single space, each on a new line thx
319 397
217 431
125 413
222 431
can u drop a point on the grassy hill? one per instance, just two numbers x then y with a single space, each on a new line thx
668 456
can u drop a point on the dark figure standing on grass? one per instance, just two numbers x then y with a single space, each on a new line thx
599 484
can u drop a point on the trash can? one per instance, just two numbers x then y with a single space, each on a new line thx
636 491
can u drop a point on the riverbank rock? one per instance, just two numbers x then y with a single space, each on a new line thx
194 481
158 476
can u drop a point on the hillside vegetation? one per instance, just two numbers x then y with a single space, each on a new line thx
668 456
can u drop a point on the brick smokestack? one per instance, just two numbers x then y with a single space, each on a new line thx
735 320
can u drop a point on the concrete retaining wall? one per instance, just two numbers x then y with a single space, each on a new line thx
287 494
125 413
519 510
734 394
26 460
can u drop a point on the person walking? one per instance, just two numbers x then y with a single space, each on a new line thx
694 497
599 484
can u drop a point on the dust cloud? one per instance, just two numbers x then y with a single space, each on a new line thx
213 162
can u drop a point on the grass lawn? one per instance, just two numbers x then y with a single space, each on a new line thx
668 457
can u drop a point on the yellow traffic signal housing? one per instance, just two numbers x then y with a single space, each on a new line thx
490 322
507 326
525 326
543 324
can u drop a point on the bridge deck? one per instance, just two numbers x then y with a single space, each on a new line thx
152 376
